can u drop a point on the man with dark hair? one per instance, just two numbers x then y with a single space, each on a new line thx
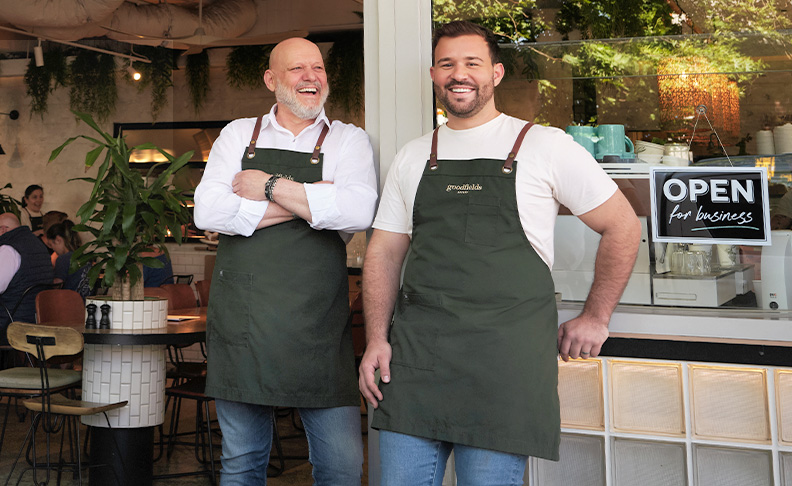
468 358
24 263
285 190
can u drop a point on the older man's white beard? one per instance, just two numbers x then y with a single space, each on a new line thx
288 98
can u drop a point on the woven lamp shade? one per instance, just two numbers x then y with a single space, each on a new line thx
683 84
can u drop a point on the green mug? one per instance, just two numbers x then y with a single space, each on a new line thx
613 141
585 136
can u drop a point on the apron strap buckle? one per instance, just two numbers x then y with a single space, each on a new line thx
507 166
251 151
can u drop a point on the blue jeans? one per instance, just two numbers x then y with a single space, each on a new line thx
335 446
414 461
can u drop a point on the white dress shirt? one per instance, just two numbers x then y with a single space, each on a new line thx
347 205
10 261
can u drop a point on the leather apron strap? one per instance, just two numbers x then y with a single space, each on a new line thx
251 151
507 165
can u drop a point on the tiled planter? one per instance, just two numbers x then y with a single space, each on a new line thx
113 373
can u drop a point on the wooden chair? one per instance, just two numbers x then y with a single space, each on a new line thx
54 412
59 306
180 296
202 286
155 292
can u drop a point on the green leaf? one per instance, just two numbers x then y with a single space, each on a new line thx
152 262
91 157
58 150
128 223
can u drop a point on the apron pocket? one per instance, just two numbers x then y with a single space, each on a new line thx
483 220
413 336
231 320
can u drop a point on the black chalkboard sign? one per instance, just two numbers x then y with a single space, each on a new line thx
722 205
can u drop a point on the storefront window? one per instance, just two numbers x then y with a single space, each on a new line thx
648 65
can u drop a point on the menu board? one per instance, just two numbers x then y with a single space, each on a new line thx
721 205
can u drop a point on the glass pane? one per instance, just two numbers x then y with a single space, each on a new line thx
648 66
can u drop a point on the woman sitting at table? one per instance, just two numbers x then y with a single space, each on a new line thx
64 240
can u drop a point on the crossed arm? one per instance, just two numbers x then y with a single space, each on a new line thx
292 201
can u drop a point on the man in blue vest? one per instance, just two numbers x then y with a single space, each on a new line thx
24 262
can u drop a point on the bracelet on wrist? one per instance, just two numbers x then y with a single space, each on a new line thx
269 187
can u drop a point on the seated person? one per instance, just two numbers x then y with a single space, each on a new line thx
154 277
24 263
64 240
31 215
50 218
782 215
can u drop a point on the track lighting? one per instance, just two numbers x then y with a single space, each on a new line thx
134 73
38 54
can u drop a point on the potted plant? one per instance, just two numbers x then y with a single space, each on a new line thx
128 214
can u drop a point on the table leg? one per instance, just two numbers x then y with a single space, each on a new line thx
134 466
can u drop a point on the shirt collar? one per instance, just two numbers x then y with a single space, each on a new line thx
322 118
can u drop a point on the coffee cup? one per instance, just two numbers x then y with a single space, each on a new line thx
585 136
613 141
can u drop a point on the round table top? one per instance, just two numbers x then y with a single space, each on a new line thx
190 328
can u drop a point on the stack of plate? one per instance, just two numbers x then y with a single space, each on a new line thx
651 153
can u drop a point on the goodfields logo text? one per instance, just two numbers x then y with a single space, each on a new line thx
463 188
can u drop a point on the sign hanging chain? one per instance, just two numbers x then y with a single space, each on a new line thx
702 110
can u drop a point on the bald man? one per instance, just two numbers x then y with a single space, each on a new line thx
24 262
286 191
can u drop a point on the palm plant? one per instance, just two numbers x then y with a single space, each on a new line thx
127 214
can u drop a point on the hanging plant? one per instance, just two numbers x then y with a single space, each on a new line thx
345 72
158 74
41 81
246 65
93 84
197 73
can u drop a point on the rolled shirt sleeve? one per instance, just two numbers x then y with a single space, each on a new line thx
348 204
217 208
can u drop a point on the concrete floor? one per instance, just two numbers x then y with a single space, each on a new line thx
297 470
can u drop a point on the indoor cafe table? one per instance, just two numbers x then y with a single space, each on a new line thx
129 364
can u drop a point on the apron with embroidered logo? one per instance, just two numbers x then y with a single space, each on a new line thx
277 331
474 333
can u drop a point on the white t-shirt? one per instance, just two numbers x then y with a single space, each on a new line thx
551 170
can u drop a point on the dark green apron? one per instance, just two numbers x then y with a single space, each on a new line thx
475 326
277 330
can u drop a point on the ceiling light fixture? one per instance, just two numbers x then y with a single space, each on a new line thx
133 73
38 54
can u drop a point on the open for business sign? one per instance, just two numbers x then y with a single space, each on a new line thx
722 205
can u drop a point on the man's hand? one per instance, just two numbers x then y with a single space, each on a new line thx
581 337
377 356
250 184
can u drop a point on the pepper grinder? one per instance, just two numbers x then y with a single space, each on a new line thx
90 321
104 321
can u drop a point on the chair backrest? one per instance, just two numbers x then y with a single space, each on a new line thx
53 340
155 292
180 296
183 279
202 286
29 293
55 306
